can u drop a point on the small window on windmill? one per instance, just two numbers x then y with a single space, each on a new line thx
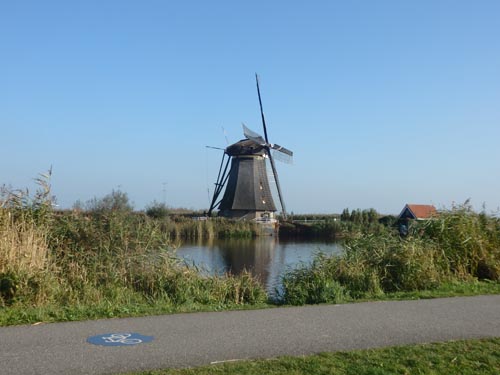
260 186
263 201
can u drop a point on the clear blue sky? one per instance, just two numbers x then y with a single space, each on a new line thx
383 102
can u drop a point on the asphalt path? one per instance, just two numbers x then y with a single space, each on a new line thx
185 340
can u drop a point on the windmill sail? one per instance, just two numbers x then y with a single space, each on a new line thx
282 157
253 136
279 152
282 149
271 159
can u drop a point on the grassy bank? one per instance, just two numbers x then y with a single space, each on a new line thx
460 246
99 263
132 304
459 357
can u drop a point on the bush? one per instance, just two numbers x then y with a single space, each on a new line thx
117 200
157 210
312 285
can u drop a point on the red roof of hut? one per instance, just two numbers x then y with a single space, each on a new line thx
419 211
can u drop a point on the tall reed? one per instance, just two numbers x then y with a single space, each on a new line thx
458 245
104 256
23 244
180 227
469 241
25 257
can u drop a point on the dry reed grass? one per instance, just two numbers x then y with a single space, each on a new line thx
107 256
23 245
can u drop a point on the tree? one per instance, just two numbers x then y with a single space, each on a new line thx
372 215
116 201
345 215
157 210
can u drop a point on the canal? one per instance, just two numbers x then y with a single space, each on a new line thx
266 257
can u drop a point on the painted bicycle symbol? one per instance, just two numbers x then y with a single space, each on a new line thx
119 339
123 338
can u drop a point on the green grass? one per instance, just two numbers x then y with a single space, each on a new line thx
17 315
135 305
465 357
451 289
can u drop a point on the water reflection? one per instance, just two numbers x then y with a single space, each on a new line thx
230 255
266 257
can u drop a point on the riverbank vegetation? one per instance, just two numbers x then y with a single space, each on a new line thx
459 246
99 263
102 259
465 357
330 227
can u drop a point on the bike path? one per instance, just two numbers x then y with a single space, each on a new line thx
185 340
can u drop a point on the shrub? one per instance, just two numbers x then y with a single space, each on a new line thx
157 210
117 200
312 285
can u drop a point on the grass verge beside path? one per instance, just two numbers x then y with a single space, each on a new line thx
456 357
20 314
51 314
451 289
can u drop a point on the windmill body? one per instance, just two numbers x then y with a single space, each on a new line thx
248 194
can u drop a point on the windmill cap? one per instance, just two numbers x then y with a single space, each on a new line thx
245 147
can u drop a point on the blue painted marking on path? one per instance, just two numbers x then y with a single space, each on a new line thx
119 339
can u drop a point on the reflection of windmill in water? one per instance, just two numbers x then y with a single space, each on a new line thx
248 192
249 254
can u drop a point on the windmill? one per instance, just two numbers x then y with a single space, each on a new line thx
248 192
